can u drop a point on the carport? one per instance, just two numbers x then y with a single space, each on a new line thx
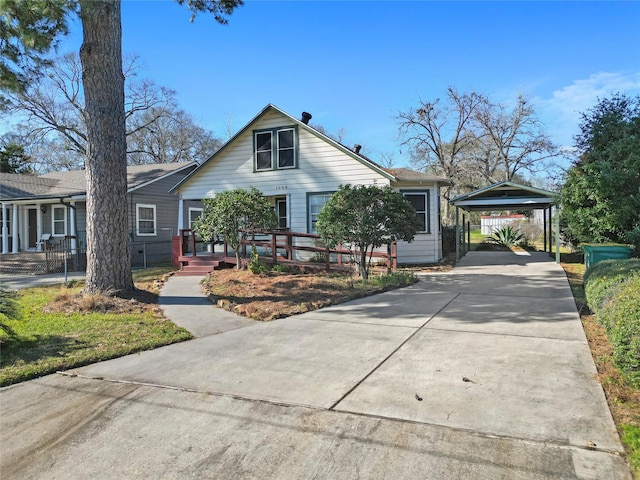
511 196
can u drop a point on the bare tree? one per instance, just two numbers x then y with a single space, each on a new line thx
510 141
339 135
386 159
437 134
473 141
168 137
54 114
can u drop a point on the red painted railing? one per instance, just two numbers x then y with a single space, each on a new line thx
283 241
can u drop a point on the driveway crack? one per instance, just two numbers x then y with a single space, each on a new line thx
384 360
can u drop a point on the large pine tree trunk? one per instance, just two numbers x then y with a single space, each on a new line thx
108 259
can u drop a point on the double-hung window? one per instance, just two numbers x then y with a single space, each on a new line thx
315 203
194 214
420 202
145 220
275 149
59 221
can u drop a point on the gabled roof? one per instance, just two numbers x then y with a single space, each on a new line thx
73 183
388 173
506 196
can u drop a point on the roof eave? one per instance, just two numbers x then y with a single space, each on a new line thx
512 203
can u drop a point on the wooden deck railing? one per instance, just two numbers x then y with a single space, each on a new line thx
284 241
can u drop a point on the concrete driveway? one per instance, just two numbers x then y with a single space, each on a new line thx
480 373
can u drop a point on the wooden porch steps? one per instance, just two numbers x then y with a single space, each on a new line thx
197 266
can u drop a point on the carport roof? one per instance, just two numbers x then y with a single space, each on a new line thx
506 196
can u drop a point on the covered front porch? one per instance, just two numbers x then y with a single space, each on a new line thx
29 226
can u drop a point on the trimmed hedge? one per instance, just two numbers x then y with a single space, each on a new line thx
612 288
604 279
623 314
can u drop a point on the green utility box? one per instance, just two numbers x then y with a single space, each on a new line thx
596 252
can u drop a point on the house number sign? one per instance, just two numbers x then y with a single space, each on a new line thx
281 187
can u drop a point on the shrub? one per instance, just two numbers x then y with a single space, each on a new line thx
633 237
604 279
622 314
280 267
532 232
255 265
393 279
9 310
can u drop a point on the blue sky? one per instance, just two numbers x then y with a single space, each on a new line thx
355 65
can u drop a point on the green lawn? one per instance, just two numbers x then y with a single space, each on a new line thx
45 341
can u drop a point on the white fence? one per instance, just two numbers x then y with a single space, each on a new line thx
490 223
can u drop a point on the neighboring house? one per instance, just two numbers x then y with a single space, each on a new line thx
297 168
52 207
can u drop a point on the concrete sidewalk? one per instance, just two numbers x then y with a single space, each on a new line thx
479 373
18 282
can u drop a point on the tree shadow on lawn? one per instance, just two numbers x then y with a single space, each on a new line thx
44 352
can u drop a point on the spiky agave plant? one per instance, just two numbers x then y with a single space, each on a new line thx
507 236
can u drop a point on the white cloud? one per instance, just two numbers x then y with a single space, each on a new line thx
562 111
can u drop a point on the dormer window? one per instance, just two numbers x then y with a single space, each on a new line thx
275 149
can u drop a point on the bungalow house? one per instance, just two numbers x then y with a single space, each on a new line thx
40 212
298 167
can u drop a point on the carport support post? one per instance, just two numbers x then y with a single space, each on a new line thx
544 228
550 232
457 235
463 234
557 235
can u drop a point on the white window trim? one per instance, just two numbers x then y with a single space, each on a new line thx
427 206
191 210
155 227
279 200
53 220
310 227
255 151
275 149
278 149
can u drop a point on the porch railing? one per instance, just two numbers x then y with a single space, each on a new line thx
283 246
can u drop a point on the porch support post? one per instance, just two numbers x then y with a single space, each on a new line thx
457 235
557 235
14 230
38 223
180 214
5 228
